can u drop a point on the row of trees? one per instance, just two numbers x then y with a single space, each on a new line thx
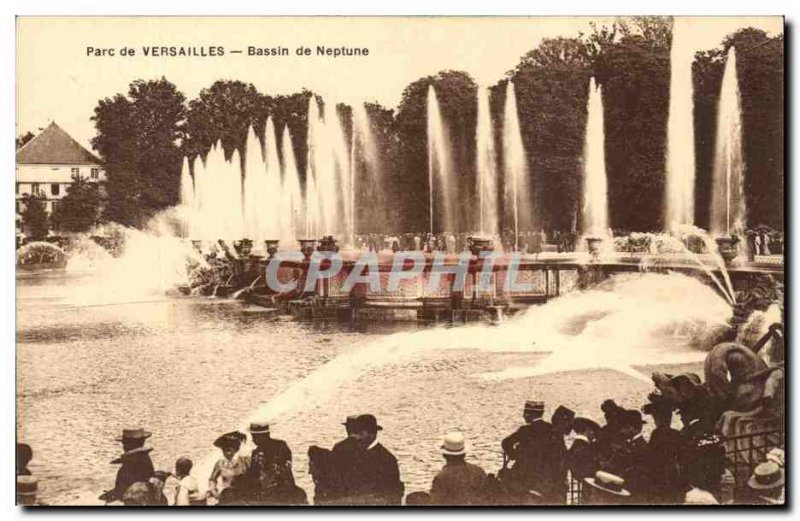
77 211
143 135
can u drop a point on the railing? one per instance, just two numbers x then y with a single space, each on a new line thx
743 453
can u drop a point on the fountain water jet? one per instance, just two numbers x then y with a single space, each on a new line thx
728 205
517 189
292 204
487 166
438 166
595 190
680 131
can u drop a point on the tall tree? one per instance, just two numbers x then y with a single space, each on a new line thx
138 138
35 220
79 209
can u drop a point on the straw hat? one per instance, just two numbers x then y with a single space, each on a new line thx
453 444
259 428
608 482
698 496
766 476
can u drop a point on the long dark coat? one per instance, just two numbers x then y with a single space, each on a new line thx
582 459
666 450
538 454
135 468
372 478
459 483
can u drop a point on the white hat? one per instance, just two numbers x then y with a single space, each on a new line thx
698 496
453 444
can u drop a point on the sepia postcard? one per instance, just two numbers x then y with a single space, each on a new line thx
385 261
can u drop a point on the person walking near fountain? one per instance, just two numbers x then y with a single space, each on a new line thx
372 476
229 466
459 482
136 466
536 452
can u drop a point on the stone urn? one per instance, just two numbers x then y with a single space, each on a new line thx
727 248
328 244
480 244
271 245
594 244
307 247
245 247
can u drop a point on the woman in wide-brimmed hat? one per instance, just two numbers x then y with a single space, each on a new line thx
230 465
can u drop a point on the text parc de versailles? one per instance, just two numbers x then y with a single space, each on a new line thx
217 51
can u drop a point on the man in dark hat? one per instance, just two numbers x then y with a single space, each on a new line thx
136 466
341 456
372 476
534 449
459 482
24 456
269 476
630 456
581 457
609 435
703 458
562 425
667 446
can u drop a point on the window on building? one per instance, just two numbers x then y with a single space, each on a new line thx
76 171
55 189
17 187
94 173
35 188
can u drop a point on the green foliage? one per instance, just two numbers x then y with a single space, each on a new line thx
35 220
24 138
137 137
79 209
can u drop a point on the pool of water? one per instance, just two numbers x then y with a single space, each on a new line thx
189 369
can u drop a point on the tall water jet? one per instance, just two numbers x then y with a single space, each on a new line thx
680 131
291 195
517 188
329 166
728 206
367 169
594 214
439 181
487 166
270 205
187 197
254 187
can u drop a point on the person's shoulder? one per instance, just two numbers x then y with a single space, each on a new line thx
476 469
384 452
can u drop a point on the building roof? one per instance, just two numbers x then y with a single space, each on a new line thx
53 146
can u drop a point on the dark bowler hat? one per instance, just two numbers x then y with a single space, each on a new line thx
367 422
134 434
609 406
534 406
259 428
350 420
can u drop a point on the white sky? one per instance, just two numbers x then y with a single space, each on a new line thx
57 81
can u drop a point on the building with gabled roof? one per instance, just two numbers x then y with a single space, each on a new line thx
47 163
